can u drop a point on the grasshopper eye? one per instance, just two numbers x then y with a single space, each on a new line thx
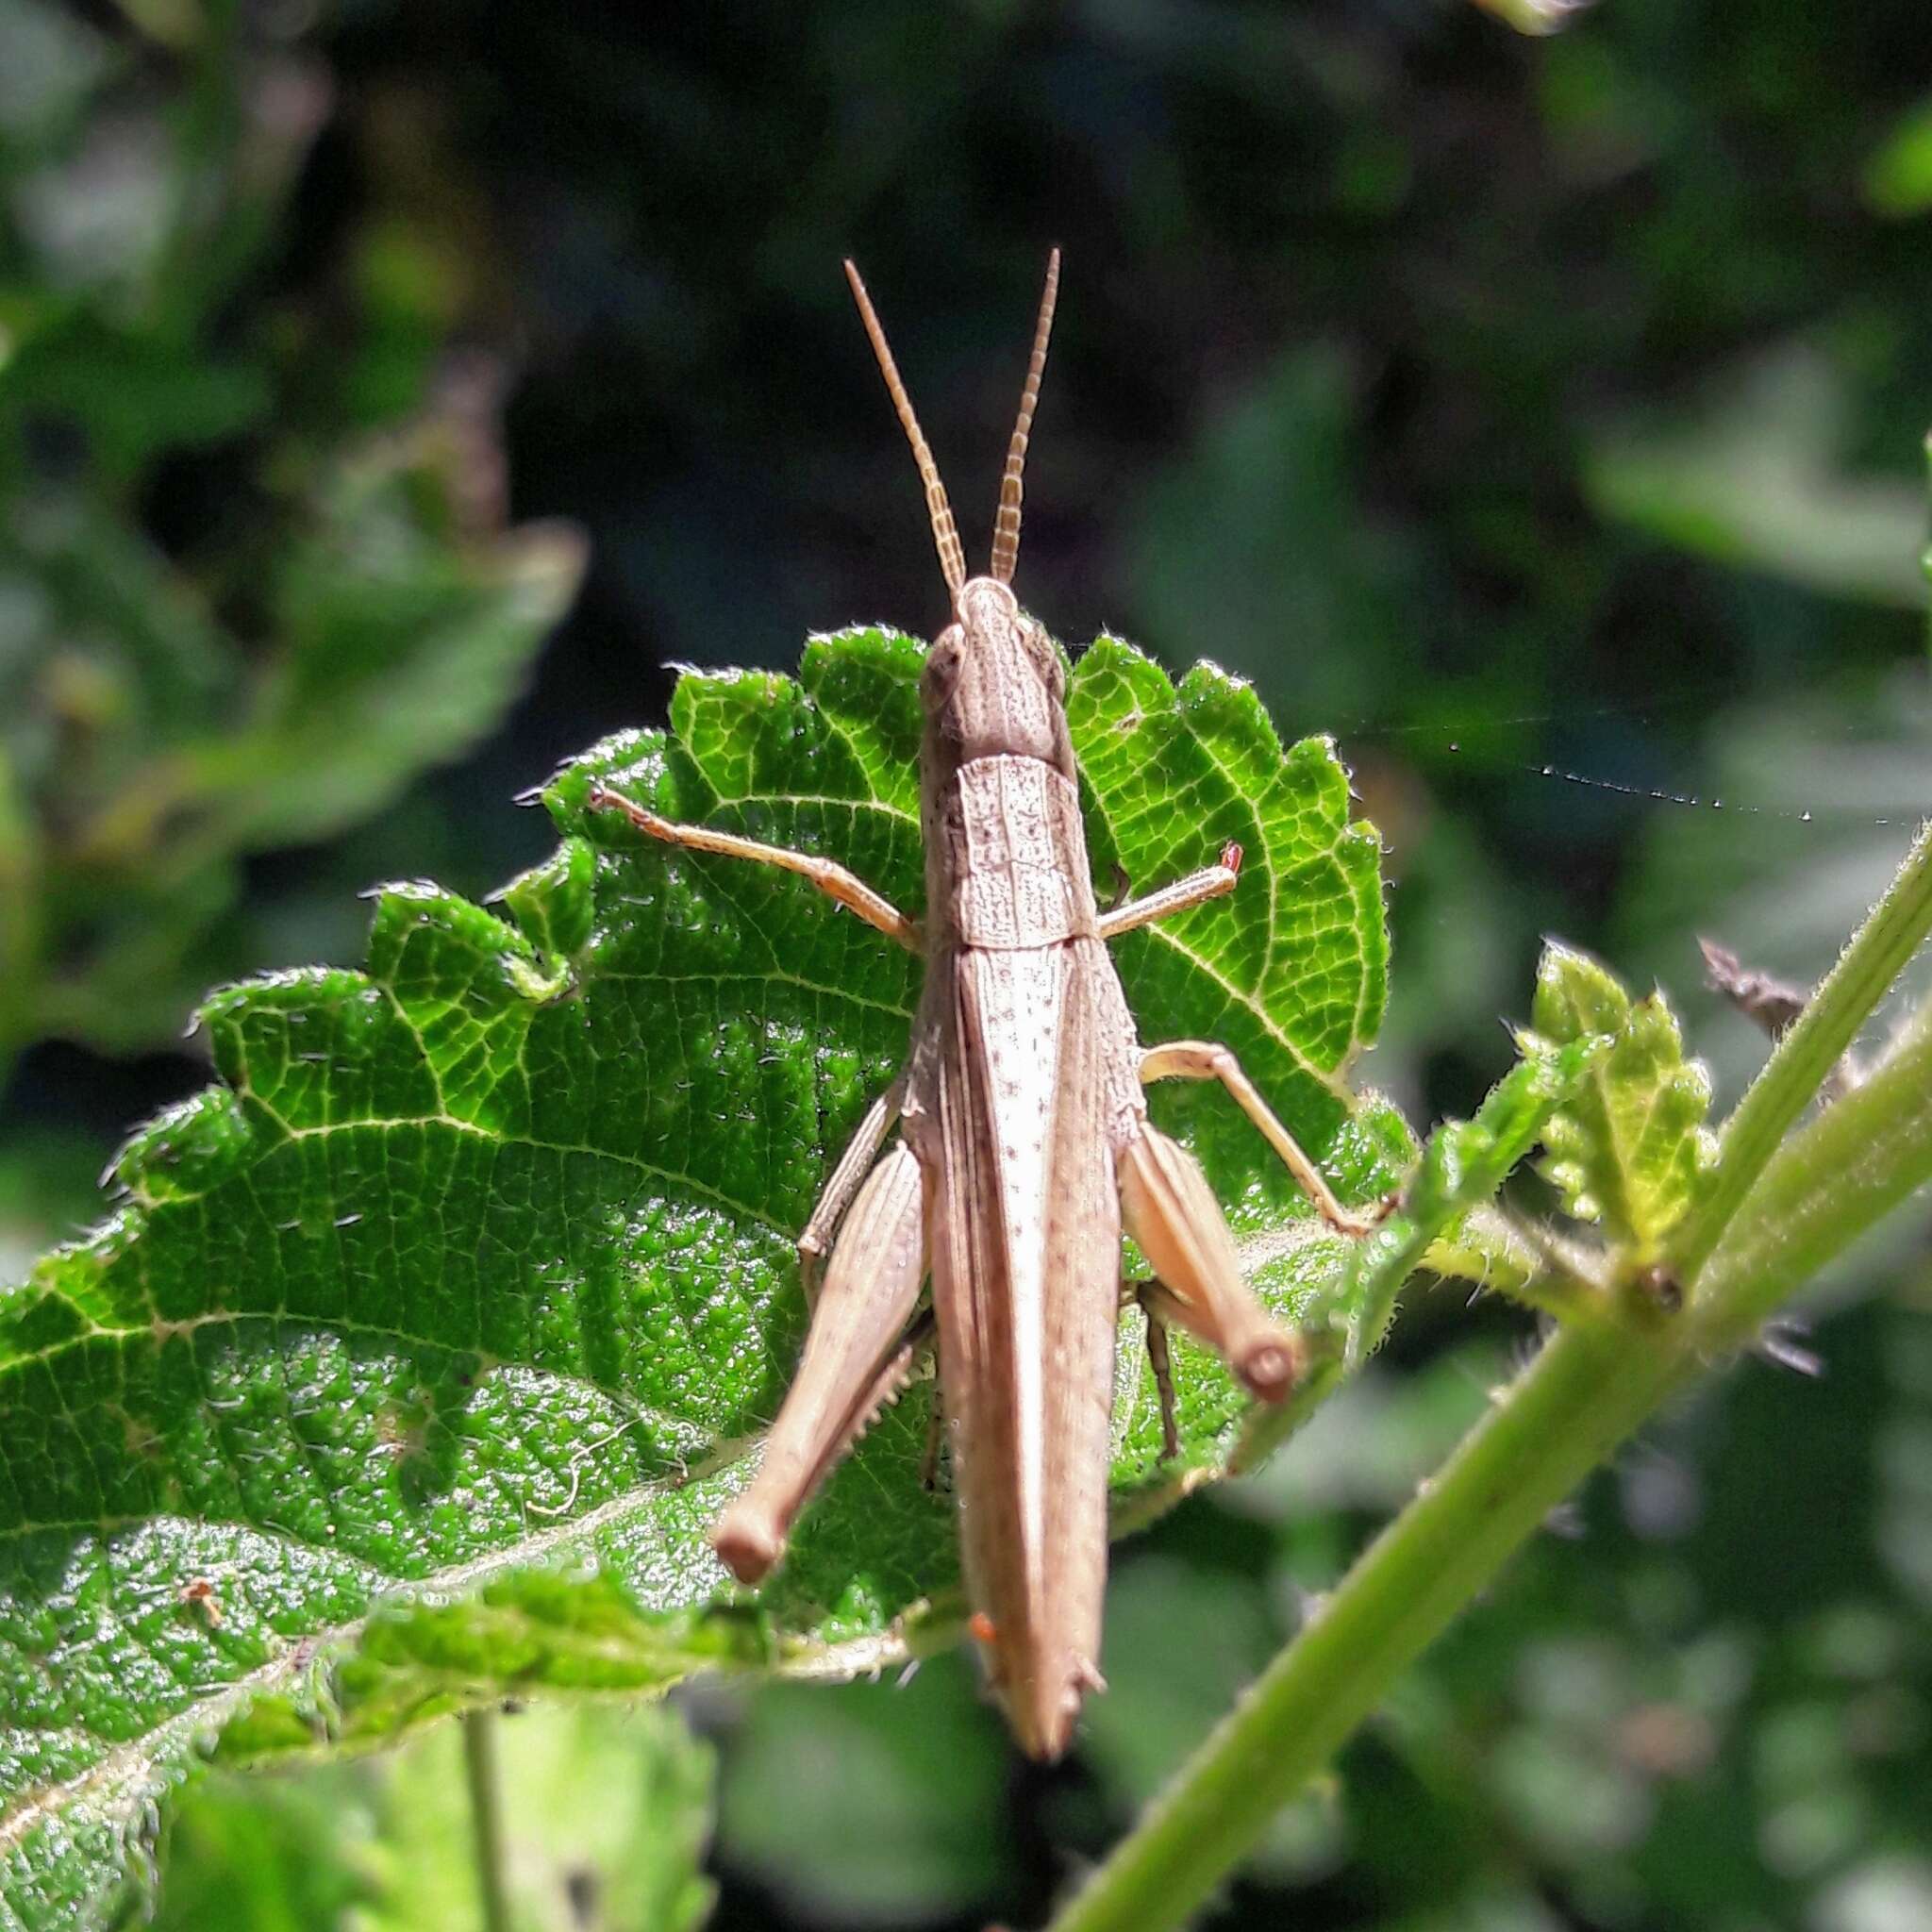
941 671
1052 668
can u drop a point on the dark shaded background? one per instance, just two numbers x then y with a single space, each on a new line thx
1540 416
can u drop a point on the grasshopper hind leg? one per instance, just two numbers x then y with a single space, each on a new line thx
857 1355
1169 1208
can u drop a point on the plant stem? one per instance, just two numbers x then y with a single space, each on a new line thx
1815 1043
1587 1392
1581 1395
486 1816
1857 1159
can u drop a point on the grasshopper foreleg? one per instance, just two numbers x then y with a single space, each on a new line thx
827 875
1201 1059
856 1356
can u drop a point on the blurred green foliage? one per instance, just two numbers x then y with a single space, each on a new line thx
1504 405
250 585
605 1818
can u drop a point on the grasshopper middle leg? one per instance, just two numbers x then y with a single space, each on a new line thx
1202 1060
836 1196
1153 1300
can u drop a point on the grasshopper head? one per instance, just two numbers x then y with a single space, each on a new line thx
995 683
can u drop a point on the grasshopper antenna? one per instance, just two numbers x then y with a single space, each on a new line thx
1005 530
945 533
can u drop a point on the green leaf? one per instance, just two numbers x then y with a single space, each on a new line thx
401 637
556 902
133 391
1463 1163
922 1770
420 1355
343 610
105 638
1630 1149
1258 539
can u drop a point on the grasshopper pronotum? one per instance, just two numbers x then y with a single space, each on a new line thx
1025 1146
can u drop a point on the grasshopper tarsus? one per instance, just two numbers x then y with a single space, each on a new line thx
601 798
1359 1224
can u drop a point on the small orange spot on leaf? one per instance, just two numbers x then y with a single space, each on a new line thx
200 1592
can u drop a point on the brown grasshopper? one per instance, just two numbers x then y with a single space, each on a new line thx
1024 1147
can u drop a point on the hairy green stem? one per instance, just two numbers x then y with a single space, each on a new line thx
486 1816
1587 1392
1815 1043
1861 1156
